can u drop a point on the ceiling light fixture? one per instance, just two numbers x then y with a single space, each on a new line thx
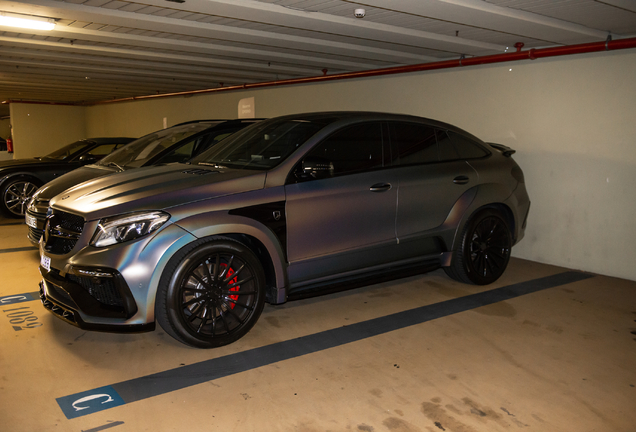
26 21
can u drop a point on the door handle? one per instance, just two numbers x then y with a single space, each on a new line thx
380 187
460 180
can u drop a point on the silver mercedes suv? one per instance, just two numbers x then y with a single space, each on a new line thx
287 207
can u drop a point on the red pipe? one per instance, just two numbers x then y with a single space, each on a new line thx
532 54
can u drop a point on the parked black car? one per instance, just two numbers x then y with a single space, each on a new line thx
20 178
175 144
287 206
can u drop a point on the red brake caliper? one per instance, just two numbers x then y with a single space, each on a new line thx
236 288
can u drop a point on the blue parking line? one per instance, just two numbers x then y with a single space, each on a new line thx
19 298
137 389
21 249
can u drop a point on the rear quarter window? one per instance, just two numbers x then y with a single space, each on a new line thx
466 147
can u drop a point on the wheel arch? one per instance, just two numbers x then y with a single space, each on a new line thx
475 200
251 233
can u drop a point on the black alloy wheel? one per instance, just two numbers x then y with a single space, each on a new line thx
213 295
484 251
16 195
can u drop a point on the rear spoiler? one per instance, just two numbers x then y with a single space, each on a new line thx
507 151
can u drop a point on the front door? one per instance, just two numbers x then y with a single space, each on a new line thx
342 218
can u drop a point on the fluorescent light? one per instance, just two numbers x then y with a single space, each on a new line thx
26 21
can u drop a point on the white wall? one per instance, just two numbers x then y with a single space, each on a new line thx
40 129
571 120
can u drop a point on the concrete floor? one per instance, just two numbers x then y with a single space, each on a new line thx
562 358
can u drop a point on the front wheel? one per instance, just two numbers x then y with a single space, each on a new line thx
16 195
484 251
211 293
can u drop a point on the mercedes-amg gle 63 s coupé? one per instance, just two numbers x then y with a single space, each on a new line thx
287 206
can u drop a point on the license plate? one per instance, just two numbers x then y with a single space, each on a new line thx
31 221
45 262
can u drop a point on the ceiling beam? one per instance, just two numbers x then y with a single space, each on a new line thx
481 14
158 56
266 13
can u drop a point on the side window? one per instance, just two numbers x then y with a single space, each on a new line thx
415 143
466 148
102 150
447 150
353 149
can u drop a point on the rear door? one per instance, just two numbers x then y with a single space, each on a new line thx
432 177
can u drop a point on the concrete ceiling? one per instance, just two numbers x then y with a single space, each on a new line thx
111 49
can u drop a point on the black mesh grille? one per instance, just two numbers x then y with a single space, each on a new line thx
71 222
60 246
63 231
102 289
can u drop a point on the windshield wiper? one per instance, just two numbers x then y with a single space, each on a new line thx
116 165
214 165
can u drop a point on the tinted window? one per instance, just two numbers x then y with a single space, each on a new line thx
415 143
142 150
352 149
262 145
102 150
69 151
447 150
466 148
187 150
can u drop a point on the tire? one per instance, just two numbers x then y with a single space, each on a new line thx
211 293
16 194
484 251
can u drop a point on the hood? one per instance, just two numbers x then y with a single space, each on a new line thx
154 188
25 163
68 180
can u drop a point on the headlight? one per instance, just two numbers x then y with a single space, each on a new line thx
127 227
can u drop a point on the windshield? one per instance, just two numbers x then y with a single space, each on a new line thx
138 152
67 152
262 146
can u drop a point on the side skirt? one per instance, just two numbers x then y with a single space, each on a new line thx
351 280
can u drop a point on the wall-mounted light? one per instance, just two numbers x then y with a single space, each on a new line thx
26 21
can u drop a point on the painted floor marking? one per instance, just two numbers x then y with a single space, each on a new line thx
19 298
20 249
104 427
137 389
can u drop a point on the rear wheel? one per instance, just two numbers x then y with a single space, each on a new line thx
16 194
211 293
484 251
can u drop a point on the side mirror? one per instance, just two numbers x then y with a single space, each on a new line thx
315 168
88 158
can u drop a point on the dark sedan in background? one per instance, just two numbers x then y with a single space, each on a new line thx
20 178
175 144
290 205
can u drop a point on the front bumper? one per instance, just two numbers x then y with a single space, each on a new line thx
111 288
60 303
